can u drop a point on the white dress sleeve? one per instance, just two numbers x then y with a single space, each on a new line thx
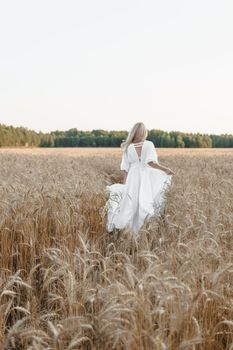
151 154
124 162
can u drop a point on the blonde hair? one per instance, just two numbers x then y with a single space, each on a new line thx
138 133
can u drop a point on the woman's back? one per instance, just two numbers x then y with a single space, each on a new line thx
138 153
138 148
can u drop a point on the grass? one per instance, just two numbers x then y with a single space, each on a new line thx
68 284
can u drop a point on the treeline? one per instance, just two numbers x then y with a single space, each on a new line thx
20 136
103 138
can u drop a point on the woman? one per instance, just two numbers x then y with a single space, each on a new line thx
145 181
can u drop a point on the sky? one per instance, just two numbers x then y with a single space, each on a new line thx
107 64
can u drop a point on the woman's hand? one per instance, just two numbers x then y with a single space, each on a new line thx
156 165
169 171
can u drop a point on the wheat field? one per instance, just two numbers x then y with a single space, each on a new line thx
68 284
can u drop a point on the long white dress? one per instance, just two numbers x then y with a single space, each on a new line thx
143 194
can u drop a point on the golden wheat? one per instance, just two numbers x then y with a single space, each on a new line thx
68 284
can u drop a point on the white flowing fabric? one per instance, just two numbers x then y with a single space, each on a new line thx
143 194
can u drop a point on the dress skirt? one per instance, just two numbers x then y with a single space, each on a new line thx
141 197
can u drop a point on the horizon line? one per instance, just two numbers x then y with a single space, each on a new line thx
109 130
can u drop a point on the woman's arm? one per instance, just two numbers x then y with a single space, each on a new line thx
124 176
161 167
